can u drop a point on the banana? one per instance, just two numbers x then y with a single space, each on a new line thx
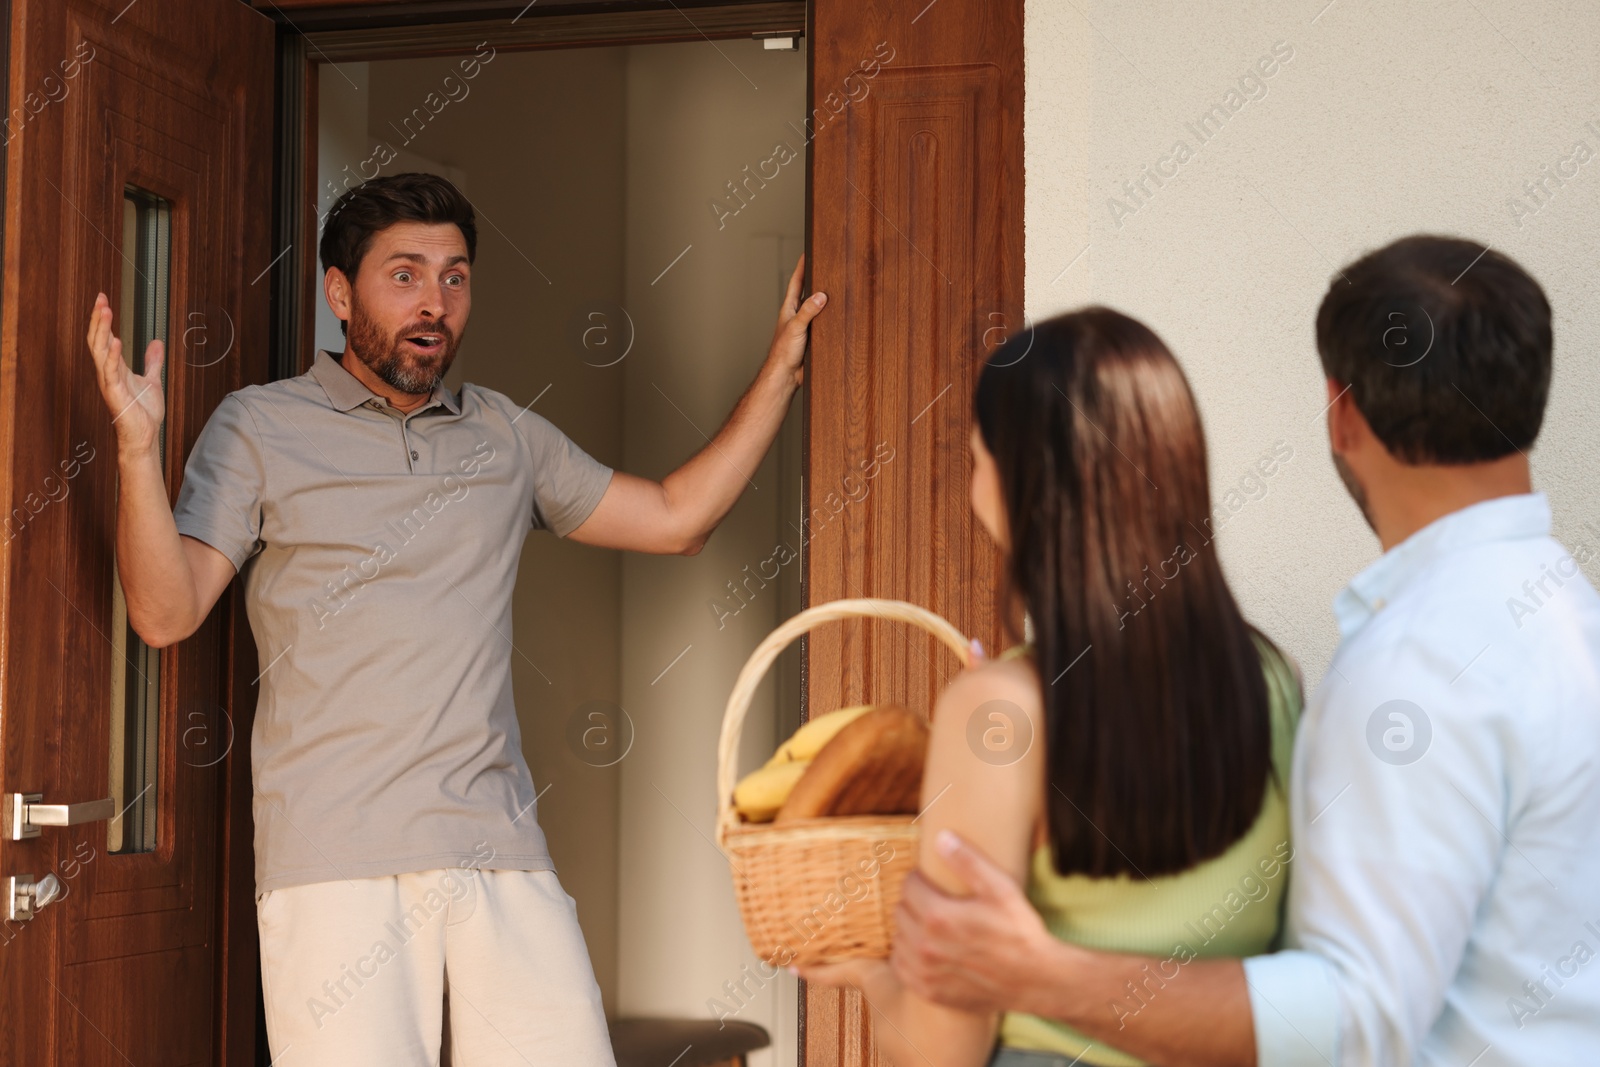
760 794
807 741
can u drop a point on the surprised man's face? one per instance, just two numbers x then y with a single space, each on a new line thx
409 304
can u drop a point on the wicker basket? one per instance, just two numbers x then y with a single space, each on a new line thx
816 890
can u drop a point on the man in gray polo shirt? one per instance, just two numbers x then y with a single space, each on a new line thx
378 520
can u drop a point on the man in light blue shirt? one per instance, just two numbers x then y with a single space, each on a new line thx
1444 902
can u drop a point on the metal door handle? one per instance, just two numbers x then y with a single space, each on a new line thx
22 814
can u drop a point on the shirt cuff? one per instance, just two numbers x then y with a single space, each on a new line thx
1295 1006
202 531
578 515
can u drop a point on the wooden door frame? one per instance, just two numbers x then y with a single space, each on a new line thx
972 86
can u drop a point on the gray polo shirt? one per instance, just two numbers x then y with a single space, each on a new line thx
379 553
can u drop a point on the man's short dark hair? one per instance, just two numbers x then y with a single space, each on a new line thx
376 205
1445 347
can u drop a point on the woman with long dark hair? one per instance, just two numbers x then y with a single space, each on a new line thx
1128 764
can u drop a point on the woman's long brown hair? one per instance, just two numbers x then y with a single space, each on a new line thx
1157 724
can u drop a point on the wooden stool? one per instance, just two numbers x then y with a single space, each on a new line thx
643 1042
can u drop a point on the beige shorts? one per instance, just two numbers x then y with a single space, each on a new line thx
354 972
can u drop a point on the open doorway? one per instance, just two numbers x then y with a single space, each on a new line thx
639 209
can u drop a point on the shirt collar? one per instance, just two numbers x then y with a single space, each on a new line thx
1504 518
346 391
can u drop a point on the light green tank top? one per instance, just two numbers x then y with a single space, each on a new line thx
1227 906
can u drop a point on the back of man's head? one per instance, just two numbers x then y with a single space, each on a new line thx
1445 348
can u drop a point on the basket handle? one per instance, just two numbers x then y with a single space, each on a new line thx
744 687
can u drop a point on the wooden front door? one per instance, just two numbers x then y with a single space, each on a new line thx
916 237
138 156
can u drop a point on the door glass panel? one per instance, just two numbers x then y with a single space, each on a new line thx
136 667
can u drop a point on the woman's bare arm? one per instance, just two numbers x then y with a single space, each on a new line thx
990 792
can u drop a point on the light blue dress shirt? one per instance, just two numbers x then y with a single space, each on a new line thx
1444 903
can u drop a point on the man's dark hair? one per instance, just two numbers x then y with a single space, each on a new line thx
1445 347
376 205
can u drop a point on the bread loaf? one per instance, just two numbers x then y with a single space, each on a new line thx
873 766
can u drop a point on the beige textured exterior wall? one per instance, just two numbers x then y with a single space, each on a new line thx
1390 118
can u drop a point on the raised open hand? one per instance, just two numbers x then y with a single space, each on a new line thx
136 401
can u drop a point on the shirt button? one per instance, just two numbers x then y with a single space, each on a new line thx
413 453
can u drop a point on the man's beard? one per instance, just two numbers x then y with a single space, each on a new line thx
402 368
1353 487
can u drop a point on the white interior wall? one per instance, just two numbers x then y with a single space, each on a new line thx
697 115
1391 118
347 151
341 148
